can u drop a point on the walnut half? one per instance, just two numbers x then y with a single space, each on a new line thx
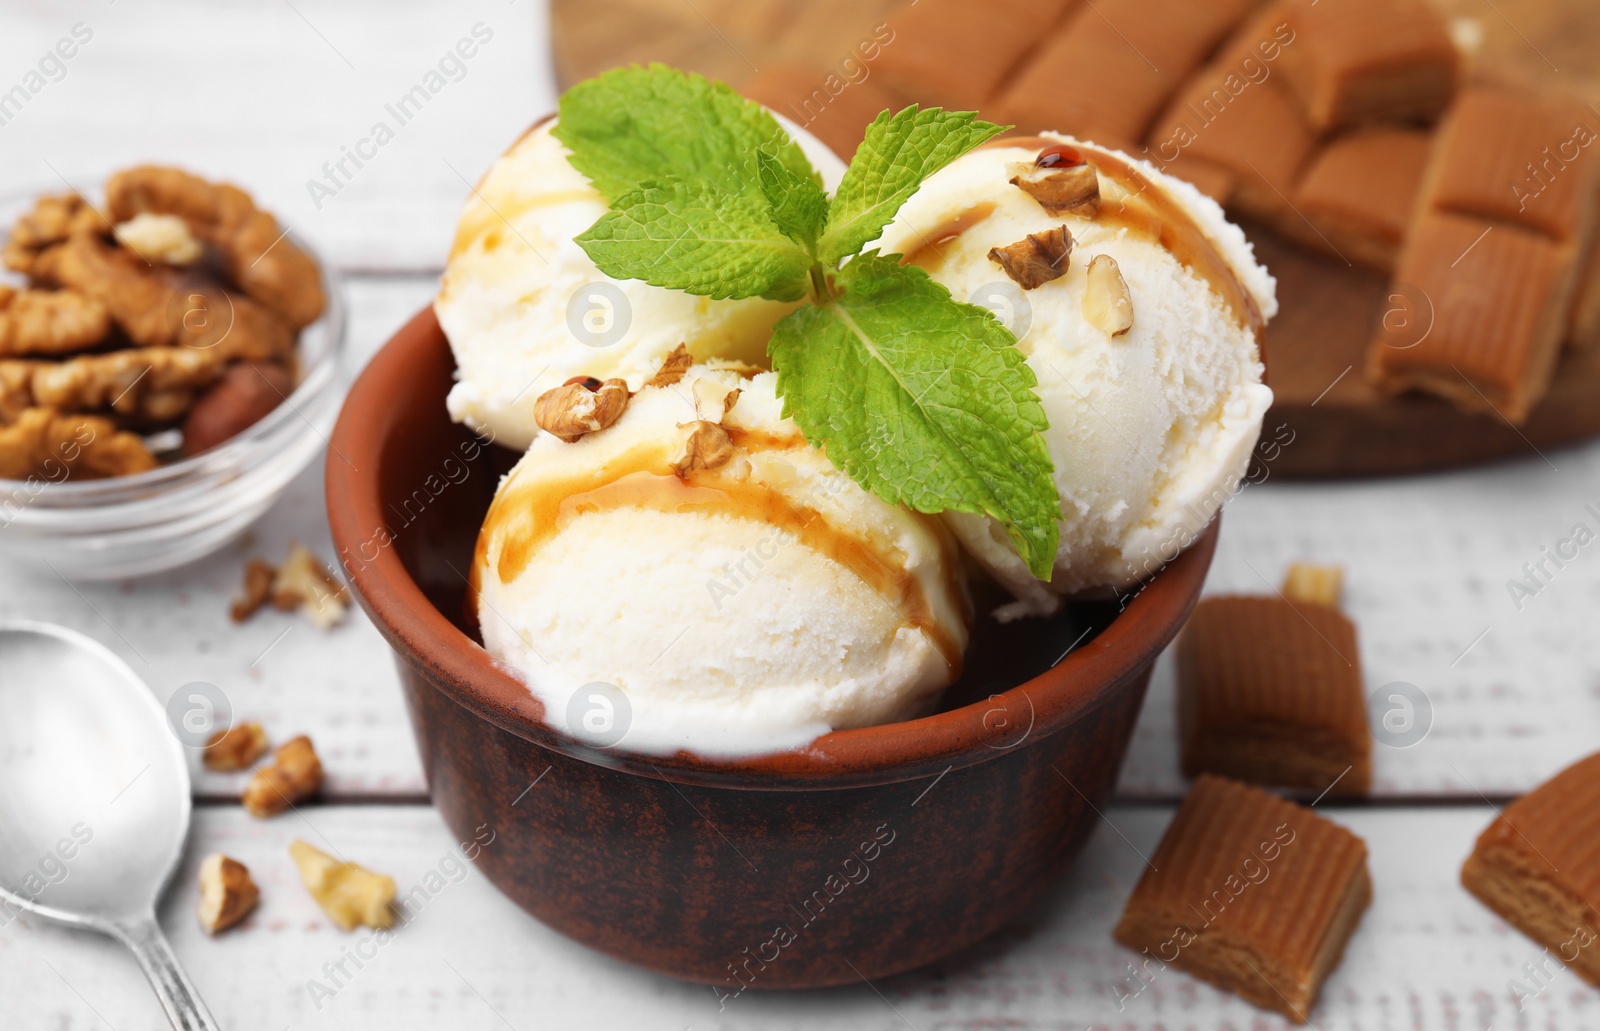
573 410
1037 258
1061 188
227 894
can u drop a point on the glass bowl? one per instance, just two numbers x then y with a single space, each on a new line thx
181 511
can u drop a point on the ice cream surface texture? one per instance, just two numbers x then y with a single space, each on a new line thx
1150 429
741 609
525 308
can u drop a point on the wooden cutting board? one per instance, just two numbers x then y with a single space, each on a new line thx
1340 425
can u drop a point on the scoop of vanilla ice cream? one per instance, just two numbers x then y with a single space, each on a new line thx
525 309
737 610
1151 430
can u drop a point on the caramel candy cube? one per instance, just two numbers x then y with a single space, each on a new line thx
955 54
835 109
1242 122
1583 329
1269 691
1251 893
1356 61
1209 178
1360 189
1538 866
1113 66
1492 308
1526 160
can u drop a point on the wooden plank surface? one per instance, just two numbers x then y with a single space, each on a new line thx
1426 957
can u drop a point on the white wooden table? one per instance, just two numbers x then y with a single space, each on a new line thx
264 93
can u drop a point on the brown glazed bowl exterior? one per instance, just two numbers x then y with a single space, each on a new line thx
870 852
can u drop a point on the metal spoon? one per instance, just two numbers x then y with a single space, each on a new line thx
94 800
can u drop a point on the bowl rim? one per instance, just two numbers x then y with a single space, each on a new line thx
427 642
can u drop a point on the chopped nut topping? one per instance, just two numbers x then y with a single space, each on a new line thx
1317 585
1106 303
304 583
1061 188
227 894
1037 258
295 773
351 895
163 238
708 447
236 748
589 382
569 412
673 368
712 400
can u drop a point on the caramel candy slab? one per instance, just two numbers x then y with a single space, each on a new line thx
1538 866
1358 61
1528 161
955 54
1493 301
1269 692
1359 191
1114 65
1251 893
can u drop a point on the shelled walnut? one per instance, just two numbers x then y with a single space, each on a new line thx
295 774
227 894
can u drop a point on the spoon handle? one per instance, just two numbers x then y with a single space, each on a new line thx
177 993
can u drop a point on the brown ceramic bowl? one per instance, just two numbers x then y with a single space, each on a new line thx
868 853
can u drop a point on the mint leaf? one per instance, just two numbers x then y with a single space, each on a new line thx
631 126
692 236
922 400
799 207
899 151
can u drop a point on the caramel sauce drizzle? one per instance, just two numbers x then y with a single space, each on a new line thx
526 517
935 246
1148 211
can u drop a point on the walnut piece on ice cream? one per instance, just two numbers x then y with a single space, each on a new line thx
1106 303
572 411
1037 258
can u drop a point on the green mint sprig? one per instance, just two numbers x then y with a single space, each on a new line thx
919 398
